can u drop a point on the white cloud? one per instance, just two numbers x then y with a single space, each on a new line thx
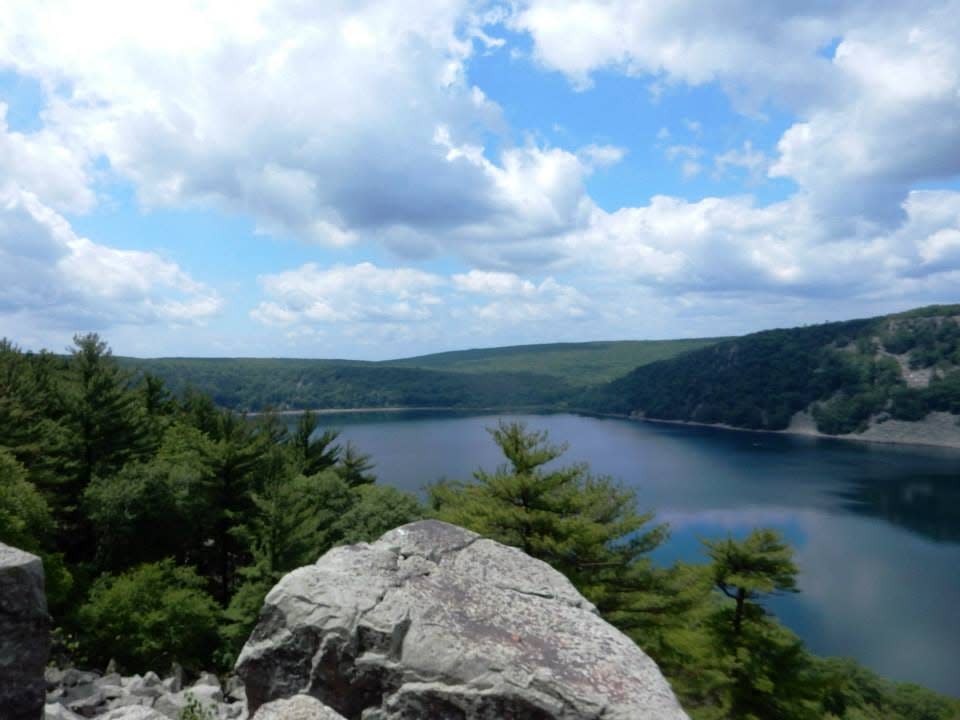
874 119
51 278
753 161
723 245
322 125
365 293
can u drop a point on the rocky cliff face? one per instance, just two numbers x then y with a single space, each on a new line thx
24 635
432 621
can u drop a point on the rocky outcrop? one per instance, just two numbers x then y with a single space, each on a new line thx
24 635
432 621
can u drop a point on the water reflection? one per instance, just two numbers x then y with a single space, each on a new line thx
876 528
928 505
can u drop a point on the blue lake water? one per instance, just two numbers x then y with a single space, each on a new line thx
876 528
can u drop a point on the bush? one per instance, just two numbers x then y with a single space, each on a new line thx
150 617
25 520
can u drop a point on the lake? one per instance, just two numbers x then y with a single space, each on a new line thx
876 528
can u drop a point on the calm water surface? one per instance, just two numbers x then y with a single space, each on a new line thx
876 528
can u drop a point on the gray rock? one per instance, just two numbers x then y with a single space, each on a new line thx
24 635
132 712
431 621
75 678
171 706
129 700
299 707
147 686
90 705
208 679
233 689
174 683
53 678
56 711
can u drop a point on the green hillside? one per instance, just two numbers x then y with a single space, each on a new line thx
258 384
579 363
848 374
511 377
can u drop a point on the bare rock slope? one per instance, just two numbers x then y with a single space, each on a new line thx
432 621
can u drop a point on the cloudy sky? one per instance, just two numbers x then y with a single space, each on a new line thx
375 178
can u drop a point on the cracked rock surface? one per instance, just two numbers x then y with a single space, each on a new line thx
432 621
24 635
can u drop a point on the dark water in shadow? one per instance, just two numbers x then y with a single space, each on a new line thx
876 528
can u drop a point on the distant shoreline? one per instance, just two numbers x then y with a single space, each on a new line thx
909 440
911 434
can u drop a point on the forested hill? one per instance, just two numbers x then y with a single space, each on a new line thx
510 377
585 363
848 375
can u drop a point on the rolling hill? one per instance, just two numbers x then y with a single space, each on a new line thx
842 377
585 363
527 376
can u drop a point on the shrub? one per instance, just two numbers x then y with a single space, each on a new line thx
150 617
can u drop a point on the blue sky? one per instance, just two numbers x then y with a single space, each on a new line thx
377 179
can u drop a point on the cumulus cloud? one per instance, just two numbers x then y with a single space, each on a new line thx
724 245
357 121
875 117
364 293
359 124
50 277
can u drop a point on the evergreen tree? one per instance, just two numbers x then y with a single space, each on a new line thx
585 526
770 673
314 454
354 467
105 429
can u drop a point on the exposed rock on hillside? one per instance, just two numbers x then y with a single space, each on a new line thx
24 635
431 621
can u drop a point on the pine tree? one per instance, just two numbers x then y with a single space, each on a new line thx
314 454
587 527
354 467
770 673
104 428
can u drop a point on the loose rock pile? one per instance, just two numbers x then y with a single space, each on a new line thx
77 694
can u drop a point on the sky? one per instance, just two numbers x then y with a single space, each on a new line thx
375 179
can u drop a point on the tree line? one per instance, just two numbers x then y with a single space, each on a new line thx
163 521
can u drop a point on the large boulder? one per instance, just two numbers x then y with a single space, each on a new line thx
24 635
432 621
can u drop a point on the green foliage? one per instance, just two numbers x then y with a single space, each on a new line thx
585 526
836 370
196 710
171 494
354 467
511 377
150 617
579 363
176 517
27 523
374 510
25 519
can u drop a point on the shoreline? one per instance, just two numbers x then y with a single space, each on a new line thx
953 444
808 430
